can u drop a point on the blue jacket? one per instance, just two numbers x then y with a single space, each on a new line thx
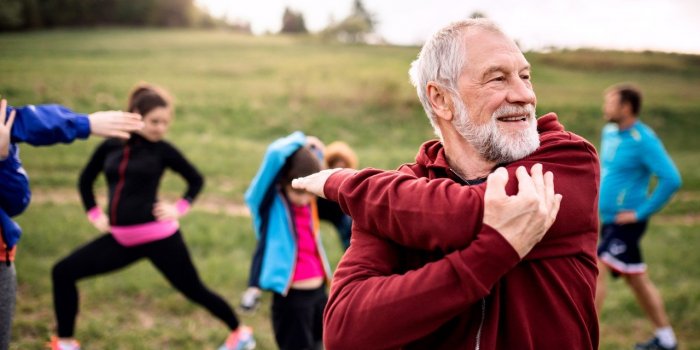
629 158
35 125
273 222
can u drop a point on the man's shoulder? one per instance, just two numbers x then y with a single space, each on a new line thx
643 131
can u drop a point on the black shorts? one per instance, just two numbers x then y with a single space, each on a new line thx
619 248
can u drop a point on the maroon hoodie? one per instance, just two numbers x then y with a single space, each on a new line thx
423 272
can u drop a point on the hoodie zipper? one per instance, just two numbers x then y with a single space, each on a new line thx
481 324
120 184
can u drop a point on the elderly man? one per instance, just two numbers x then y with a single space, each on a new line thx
422 271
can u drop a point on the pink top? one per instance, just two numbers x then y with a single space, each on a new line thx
309 263
133 235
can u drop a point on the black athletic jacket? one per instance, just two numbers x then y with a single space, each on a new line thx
133 170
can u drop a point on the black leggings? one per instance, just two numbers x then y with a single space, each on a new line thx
105 254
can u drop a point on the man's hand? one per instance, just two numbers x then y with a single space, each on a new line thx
114 124
314 183
5 129
165 211
522 219
626 217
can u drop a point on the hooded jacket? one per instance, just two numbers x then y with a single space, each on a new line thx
36 125
423 272
273 265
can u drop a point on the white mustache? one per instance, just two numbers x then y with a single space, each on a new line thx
514 110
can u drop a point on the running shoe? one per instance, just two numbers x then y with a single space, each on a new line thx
56 344
240 339
653 344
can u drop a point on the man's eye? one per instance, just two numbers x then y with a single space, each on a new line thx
499 78
525 76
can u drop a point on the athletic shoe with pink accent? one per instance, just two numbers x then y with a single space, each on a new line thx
240 339
56 344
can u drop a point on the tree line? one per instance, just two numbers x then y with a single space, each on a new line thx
36 14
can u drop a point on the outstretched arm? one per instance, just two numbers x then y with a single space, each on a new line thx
43 125
400 207
414 212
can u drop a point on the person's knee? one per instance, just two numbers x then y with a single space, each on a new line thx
61 271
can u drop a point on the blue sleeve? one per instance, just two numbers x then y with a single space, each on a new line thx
14 191
659 163
273 161
48 124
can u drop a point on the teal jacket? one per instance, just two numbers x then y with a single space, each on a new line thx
629 158
274 263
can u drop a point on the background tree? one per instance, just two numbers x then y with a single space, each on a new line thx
477 14
355 28
293 22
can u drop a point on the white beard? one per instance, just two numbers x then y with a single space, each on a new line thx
492 143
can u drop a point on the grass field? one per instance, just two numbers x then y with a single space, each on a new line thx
235 94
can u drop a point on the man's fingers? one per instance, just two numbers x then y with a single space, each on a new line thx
496 184
299 183
314 183
525 183
549 185
537 179
555 208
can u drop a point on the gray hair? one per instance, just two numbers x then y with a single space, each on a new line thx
442 59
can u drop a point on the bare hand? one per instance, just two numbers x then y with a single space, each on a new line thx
626 217
165 211
114 124
101 223
5 129
314 183
521 219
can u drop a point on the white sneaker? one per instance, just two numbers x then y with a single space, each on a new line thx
250 300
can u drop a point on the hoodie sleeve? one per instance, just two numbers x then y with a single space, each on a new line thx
660 164
415 212
369 295
48 124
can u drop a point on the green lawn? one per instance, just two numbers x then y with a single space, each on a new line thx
234 95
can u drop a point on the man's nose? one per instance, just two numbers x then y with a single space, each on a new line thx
521 92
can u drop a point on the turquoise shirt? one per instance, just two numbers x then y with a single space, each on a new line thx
629 158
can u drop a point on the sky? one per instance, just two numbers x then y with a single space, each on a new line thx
659 25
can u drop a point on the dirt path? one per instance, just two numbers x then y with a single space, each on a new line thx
206 202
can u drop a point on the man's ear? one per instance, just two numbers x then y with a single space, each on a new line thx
440 100
626 108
